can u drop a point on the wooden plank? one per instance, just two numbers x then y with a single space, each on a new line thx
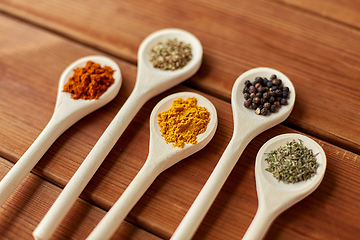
24 210
237 36
343 11
31 64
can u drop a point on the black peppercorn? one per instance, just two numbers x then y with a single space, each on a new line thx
247 103
266 95
259 95
277 104
273 77
256 100
285 94
271 99
272 108
245 90
275 81
269 84
253 105
278 92
285 89
267 105
283 101
265 81
252 89
252 95
264 111
259 80
246 95
247 83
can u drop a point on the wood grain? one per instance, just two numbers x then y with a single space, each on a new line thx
320 56
343 11
31 61
26 207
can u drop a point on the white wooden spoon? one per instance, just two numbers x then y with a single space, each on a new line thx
149 83
276 196
247 125
161 156
67 112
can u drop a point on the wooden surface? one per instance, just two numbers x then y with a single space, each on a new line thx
315 43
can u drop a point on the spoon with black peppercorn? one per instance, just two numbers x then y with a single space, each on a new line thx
161 156
67 112
150 81
275 196
247 125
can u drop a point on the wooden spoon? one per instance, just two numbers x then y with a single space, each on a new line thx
149 83
247 125
161 156
67 112
276 196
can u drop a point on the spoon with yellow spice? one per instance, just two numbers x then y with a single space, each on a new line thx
180 125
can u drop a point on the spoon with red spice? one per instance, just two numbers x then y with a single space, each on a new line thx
161 156
275 196
67 112
247 125
150 82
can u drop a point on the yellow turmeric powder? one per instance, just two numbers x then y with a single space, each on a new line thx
89 82
183 122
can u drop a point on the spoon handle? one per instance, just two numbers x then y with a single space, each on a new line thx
89 166
112 220
207 195
260 224
23 166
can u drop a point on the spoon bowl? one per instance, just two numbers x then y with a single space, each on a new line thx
79 108
247 125
154 80
161 156
276 196
259 121
168 152
67 112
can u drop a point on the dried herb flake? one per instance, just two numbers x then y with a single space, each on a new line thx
292 163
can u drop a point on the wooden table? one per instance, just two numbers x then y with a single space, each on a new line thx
315 43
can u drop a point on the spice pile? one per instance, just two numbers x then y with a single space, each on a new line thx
170 55
292 163
89 82
183 122
264 95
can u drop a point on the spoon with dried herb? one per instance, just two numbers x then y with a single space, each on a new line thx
288 168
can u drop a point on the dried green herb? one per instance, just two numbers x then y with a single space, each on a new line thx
170 55
292 163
